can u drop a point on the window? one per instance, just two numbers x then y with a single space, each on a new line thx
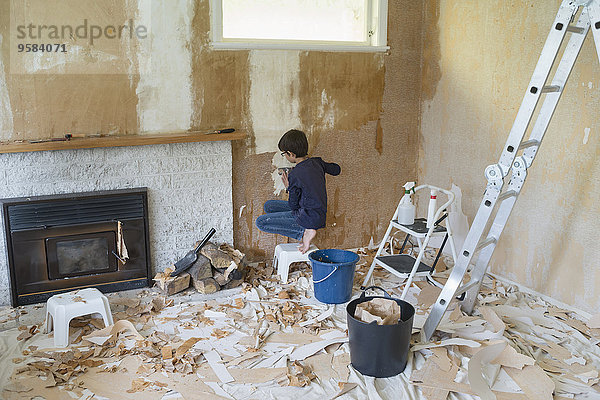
344 25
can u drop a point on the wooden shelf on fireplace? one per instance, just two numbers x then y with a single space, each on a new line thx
118 141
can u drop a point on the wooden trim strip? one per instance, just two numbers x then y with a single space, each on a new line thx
118 141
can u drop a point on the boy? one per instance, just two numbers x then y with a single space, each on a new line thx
305 211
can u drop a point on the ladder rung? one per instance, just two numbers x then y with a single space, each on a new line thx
551 89
485 243
529 143
506 195
466 287
575 29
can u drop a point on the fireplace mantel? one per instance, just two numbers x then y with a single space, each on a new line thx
118 141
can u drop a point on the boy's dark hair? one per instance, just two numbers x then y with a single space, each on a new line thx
295 142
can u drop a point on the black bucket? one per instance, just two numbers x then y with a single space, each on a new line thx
379 350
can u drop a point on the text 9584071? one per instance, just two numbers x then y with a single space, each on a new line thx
42 48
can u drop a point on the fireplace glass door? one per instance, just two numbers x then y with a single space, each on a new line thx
77 255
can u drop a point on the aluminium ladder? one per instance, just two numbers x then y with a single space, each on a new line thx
494 195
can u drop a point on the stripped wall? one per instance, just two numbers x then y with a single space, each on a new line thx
358 109
477 61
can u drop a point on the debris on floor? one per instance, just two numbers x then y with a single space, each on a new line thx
264 339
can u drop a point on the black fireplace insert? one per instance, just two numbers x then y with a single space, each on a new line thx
64 242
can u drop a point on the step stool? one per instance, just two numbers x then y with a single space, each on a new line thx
62 308
406 266
288 253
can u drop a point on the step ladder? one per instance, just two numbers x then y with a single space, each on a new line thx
497 197
405 265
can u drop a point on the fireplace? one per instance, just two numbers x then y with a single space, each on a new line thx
64 242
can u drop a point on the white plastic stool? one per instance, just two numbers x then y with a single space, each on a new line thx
288 253
62 308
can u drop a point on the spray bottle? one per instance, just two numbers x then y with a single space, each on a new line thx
406 209
432 208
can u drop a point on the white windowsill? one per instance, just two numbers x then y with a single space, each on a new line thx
299 46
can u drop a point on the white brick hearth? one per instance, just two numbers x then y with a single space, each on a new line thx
189 189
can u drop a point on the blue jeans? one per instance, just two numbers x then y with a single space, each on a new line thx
278 219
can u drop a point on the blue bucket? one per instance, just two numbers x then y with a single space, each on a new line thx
333 274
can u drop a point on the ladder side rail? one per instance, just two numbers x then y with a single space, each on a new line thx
419 243
374 262
443 207
395 216
496 229
439 189
416 264
451 238
495 173
439 211
594 17
523 162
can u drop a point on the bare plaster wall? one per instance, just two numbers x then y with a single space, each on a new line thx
477 61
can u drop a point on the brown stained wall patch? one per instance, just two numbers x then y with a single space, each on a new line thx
51 105
220 80
431 72
339 91
336 218
220 89
379 137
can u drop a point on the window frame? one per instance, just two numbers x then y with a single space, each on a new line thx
377 17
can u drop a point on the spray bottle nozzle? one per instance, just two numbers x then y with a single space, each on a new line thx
408 186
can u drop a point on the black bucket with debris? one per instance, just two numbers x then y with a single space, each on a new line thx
379 348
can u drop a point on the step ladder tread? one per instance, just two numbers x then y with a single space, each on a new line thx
402 263
419 227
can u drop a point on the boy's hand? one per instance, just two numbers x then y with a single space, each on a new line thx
284 178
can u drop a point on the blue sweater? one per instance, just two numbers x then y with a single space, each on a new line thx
308 195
